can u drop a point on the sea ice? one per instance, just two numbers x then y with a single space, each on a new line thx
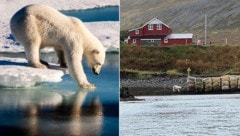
107 32
109 36
13 75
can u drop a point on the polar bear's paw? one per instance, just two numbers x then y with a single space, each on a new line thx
41 66
88 86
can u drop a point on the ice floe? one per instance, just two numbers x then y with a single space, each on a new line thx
14 72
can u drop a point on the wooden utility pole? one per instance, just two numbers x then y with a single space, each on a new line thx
205 42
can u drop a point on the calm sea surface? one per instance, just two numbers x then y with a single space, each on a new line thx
110 13
186 115
61 108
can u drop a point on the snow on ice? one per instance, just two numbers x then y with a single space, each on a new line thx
109 37
15 74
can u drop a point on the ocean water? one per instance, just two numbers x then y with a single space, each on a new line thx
62 108
183 115
109 13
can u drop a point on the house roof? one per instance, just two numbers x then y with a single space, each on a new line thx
152 20
180 36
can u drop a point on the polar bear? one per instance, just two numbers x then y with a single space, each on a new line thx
38 26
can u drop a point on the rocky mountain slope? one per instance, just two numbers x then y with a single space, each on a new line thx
187 16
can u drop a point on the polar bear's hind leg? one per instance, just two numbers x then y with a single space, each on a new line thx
44 62
61 58
32 54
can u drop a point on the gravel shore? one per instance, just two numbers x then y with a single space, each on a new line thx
161 85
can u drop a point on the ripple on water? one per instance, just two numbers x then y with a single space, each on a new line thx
181 115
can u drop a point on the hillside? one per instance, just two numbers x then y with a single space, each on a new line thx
187 16
212 60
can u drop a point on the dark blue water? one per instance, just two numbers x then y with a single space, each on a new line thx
110 13
63 108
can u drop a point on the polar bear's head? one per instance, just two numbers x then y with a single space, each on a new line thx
93 48
96 58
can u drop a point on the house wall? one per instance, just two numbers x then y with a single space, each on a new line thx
144 31
162 43
138 41
151 42
177 42
165 30
133 33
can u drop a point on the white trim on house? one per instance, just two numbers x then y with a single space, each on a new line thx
134 40
150 26
159 26
152 21
150 39
156 21
166 40
136 31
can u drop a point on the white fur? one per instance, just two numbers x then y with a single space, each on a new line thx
177 88
39 26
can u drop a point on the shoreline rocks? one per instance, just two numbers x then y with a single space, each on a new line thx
161 85
126 96
164 85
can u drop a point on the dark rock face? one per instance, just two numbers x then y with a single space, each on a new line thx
126 96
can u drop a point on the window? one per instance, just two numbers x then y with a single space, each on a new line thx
165 40
134 40
152 41
159 26
150 26
136 31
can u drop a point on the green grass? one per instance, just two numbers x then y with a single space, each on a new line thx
214 60
130 73
174 72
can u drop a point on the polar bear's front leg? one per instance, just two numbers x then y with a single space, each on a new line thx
80 76
74 63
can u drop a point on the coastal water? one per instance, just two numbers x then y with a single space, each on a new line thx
109 13
185 115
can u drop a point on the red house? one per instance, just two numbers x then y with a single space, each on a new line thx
155 32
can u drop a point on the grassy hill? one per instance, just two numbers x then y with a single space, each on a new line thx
187 16
214 60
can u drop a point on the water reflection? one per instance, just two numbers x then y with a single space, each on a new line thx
83 119
51 112
61 109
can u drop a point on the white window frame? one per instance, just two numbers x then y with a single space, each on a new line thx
159 26
134 40
136 31
165 40
150 26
